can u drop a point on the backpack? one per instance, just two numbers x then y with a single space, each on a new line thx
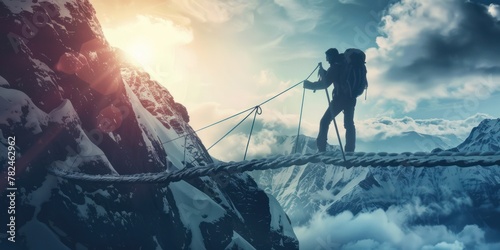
353 76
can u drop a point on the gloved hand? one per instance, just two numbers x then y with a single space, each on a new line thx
308 84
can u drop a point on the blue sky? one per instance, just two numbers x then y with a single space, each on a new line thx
426 59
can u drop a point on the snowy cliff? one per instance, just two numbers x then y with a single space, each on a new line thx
72 102
485 137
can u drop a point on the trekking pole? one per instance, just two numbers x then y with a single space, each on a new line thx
335 123
301 108
300 121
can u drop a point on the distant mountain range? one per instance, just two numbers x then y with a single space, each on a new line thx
450 196
409 141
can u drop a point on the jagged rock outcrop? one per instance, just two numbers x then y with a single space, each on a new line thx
72 102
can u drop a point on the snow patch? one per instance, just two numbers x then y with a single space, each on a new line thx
38 234
149 123
3 82
87 151
279 220
16 6
195 207
238 242
64 113
42 194
17 107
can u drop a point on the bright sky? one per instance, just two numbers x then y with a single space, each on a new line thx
426 59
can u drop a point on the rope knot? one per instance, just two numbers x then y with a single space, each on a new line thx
258 109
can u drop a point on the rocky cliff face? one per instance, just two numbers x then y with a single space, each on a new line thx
70 101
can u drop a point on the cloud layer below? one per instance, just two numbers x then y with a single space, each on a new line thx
379 230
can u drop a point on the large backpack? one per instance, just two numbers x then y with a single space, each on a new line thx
353 78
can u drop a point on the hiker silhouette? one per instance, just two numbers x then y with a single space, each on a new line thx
348 75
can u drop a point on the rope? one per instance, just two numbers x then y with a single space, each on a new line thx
302 108
258 111
360 159
300 120
224 136
244 111
185 143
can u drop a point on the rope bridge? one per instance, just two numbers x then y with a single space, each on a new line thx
359 159
337 158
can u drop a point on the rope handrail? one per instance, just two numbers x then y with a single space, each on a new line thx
244 111
256 109
359 159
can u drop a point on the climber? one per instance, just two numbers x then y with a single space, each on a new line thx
343 72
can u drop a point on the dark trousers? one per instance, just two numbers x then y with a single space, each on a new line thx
338 104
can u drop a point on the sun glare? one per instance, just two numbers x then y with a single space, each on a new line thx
159 47
140 52
152 43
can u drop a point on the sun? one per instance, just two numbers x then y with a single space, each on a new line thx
140 52
148 41
157 46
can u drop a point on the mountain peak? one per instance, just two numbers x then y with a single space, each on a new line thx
73 104
484 137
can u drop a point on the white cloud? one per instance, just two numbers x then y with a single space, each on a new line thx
297 10
386 127
378 230
346 227
359 2
272 44
214 11
266 77
435 49
263 142
494 10
456 245
292 16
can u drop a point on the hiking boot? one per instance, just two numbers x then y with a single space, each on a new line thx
321 144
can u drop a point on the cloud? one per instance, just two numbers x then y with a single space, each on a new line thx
183 11
456 245
300 11
290 17
494 10
359 2
378 230
430 49
265 78
151 28
338 230
263 143
273 44
384 127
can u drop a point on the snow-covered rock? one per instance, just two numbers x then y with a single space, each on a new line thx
484 137
72 103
